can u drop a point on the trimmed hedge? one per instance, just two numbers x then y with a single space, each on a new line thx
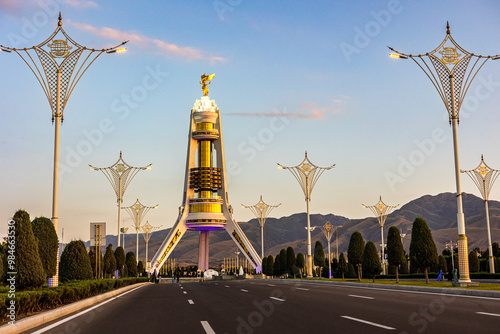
28 302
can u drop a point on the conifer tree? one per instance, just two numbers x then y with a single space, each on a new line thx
371 261
423 251
355 251
395 250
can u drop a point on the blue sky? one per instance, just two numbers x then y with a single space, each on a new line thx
290 76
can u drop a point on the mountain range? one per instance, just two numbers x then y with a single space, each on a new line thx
439 211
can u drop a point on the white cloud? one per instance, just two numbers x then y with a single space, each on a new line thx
81 4
306 111
148 43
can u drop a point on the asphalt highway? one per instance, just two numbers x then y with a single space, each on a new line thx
280 306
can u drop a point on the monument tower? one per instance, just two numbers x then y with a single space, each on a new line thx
205 205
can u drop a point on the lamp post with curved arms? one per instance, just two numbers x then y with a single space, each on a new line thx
56 60
261 210
328 230
147 231
138 211
119 175
450 64
307 174
484 177
381 211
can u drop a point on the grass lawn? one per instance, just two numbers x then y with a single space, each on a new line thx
432 283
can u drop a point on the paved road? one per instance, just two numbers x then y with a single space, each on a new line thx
280 306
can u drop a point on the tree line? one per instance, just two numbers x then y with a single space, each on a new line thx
33 256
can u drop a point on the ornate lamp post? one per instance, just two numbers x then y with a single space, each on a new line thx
327 230
138 211
451 65
119 175
147 231
261 210
58 57
123 230
307 174
484 177
381 211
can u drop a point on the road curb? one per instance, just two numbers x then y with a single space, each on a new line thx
451 291
47 316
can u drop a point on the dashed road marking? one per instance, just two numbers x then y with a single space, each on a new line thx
368 322
207 328
364 297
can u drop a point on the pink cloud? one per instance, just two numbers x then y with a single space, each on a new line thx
147 43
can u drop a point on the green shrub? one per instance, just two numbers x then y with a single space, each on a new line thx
75 262
48 244
351 272
131 264
473 262
371 262
355 251
28 266
41 299
109 262
120 260
423 251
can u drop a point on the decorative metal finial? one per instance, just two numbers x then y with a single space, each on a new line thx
60 20
447 28
205 81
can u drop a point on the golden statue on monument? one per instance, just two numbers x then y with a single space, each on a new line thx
205 81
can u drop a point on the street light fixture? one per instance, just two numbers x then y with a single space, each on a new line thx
381 211
451 246
123 230
237 260
56 78
147 231
261 210
484 177
138 211
451 65
119 175
327 230
307 174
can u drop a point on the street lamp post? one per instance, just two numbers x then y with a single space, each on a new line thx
381 211
327 230
261 210
147 231
451 67
237 260
123 230
119 175
138 211
484 177
451 245
307 174
58 65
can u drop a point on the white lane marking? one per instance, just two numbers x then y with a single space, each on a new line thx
190 301
368 322
184 292
278 299
357 296
485 313
42 330
227 286
271 285
216 283
244 290
207 328
303 289
401 291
